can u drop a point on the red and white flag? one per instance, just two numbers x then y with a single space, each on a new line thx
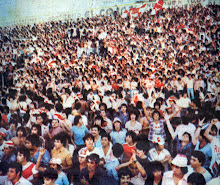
158 6
135 12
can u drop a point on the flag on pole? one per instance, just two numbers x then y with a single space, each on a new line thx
135 12
158 6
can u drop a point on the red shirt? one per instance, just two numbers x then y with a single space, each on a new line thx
128 149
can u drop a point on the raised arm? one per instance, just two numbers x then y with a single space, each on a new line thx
198 130
170 127
206 134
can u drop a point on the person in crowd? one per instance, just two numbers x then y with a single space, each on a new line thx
133 124
50 175
93 174
129 145
155 173
61 152
196 162
124 175
33 144
2 141
79 131
118 134
159 153
95 131
28 168
15 175
56 165
178 174
9 153
196 179
20 136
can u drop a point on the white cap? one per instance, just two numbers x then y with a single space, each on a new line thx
55 161
158 140
117 120
180 160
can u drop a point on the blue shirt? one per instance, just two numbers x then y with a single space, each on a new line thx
123 118
45 159
186 150
62 179
110 167
207 150
118 137
79 133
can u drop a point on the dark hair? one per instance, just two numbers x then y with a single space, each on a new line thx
25 151
76 119
155 166
96 126
3 168
202 134
200 156
22 129
34 139
190 137
38 128
59 107
106 135
61 137
17 167
124 172
93 157
100 118
156 112
50 173
117 150
184 170
196 179
132 134
141 145
87 136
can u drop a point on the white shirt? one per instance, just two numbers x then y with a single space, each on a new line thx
154 156
21 181
180 129
183 102
137 128
168 179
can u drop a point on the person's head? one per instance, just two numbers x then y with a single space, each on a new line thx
123 107
141 149
202 138
196 179
124 175
55 123
130 137
179 165
50 175
117 124
133 115
78 120
134 169
36 129
197 159
95 130
60 140
14 171
186 137
39 119
21 132
55 163
32 141
156 170
117 150
156 115
159 144
3 168
23 155
2 133
92 162
88 140
105 139
8 148
99 121
82 155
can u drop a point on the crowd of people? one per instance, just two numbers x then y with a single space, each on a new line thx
112 100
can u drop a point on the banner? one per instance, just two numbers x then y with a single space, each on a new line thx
37 11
